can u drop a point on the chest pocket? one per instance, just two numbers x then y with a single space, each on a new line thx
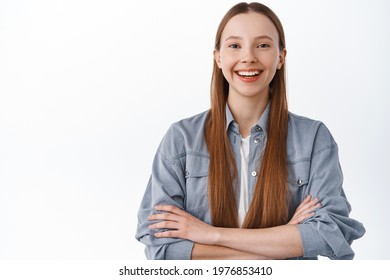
196 174
298 180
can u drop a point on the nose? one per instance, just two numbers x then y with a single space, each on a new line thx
249 56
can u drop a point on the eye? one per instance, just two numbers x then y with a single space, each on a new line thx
263 46
234 46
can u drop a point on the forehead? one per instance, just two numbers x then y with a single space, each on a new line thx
250 25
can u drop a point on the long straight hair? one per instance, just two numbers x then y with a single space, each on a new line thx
269 206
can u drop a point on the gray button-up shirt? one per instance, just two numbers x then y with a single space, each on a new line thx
180 177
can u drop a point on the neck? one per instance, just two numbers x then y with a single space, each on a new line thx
247 110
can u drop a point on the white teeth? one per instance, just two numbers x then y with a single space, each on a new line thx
248 73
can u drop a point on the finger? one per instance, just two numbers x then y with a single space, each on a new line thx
306 205
311 203
170 208
305 216
307 209
307 198
308 212
299 218
316 206
304 202
312 208
168 233
165 225
164 216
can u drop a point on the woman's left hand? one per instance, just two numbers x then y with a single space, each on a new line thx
305 210
180 224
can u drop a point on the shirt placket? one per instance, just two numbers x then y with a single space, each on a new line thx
235 143
256 147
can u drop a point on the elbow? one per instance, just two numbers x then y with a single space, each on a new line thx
324 243
166 248
173 251
155 252
330 234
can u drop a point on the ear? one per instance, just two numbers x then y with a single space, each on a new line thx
282 58
217 58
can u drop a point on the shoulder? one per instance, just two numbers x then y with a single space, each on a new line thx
308 127
308 136
298 122
185 136
188 124
188 128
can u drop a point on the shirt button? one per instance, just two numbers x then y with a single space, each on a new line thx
257 140
187 174
257 128
299 182
254 173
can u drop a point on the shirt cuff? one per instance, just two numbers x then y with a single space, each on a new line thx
312 243
179 250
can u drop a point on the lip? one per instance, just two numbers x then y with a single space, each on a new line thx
248 79
248 69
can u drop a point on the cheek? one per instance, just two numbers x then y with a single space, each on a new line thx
269 57
228 59
227 67
271 62
227 74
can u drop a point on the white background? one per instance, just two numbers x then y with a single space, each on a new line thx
88 88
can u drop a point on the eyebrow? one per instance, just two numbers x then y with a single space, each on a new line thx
240 38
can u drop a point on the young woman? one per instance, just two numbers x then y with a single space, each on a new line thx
247 179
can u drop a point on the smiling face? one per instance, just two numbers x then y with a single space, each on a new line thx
249 54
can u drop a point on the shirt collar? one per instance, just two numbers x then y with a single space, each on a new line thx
262 122
229 117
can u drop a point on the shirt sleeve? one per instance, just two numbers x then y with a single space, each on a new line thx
331 231
166 186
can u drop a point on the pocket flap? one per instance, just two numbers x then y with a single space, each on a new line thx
197 166
298 174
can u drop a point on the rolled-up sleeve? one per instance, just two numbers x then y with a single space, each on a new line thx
331 231
166 186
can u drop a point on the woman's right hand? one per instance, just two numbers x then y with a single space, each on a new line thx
305 210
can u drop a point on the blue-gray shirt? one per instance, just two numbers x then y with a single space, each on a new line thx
180 170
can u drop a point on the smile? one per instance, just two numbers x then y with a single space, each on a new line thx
248 74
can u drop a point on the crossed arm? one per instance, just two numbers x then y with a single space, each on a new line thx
221 243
